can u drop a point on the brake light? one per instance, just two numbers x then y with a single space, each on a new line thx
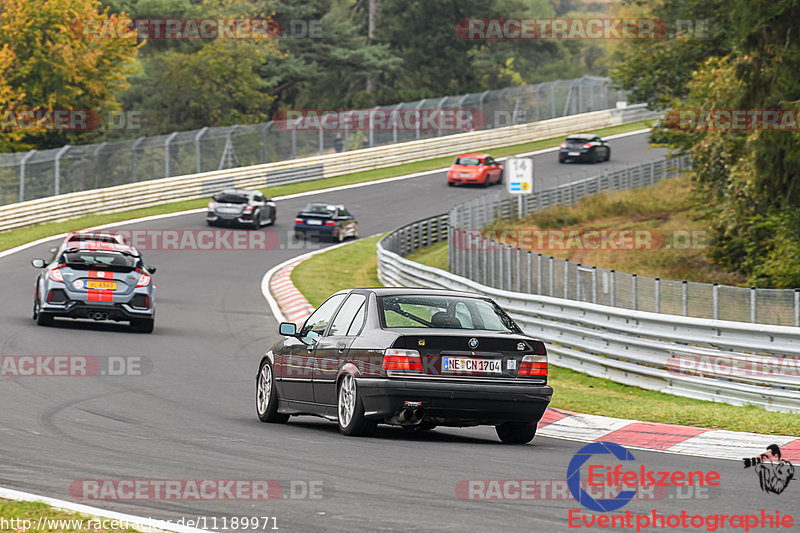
533 365
402 360
587 145
563 145
248 209
330 223
212 204
144 279
298 221
56 275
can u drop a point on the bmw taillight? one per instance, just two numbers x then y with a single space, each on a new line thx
330 223
533 365
298 221
144 279
401 360
56 275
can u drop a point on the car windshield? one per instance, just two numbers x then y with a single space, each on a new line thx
321 209
468 161
452 312
231 198
89 258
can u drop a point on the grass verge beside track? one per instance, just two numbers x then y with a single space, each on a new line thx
20 236
355 265
52 519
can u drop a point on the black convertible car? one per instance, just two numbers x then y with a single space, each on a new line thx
418 358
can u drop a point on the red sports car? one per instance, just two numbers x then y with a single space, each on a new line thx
479 169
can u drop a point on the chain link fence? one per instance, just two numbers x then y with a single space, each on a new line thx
38 174
509 268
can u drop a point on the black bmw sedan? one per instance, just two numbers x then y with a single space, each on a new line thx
417 358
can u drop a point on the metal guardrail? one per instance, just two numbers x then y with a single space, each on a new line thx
38 174
696 357
156 192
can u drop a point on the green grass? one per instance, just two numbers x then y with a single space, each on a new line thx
355 265
33 511
665 212
15 237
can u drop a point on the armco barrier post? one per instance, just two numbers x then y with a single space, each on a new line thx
753 305
634 296
657 289
612 288
715 301
685 297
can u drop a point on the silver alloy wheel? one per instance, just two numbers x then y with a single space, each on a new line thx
264 388
347 400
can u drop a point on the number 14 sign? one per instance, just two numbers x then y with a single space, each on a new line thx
519 175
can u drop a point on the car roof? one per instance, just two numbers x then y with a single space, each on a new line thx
415 291
479 156
97 236
582 136
340 206
244 192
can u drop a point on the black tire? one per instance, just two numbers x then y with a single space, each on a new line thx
348 397
144 325
502 175
267 402
44 319
451 184
516 432
608 155
486 182
594 159
212 224
272 218
256 220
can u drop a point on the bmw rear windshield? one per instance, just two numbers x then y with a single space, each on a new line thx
90 260
229 198
450 312
319 209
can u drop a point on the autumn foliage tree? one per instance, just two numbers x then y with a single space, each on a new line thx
47 63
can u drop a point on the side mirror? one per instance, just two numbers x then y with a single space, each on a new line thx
38 263
151 269
288 329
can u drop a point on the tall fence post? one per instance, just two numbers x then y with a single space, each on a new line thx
594 284
685 297
57 183
22 165
715 301
753 305
797 308
166 152
657 288
634 296
612 288
566 280
197 160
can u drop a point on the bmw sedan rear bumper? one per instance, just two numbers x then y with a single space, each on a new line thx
456 403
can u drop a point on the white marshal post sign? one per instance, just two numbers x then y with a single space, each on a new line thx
519 177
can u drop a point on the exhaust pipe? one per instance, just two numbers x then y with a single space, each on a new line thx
98 316
411 416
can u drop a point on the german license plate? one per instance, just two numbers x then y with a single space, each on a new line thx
228 210
313 222
462 175
574 153
471 365
107 285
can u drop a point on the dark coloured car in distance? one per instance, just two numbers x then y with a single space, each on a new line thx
98 280
241 208
417 358
586 147
332 221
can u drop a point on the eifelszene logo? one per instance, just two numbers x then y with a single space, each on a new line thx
774 473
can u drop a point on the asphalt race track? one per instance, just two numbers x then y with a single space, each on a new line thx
192 414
